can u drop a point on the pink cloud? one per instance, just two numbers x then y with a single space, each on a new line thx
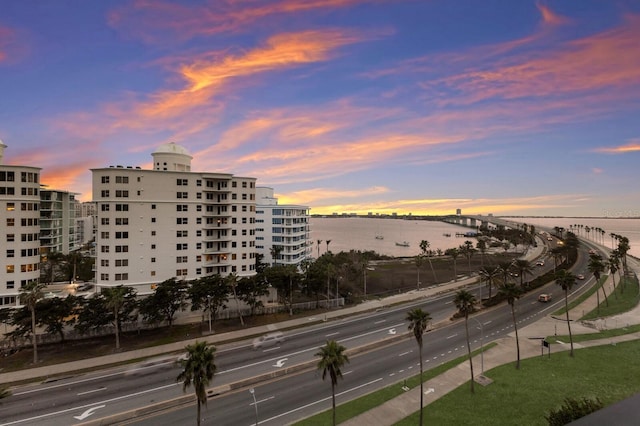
158 21
632 146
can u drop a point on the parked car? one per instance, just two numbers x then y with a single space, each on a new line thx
84 287
540 263
544 298
267 340
580 277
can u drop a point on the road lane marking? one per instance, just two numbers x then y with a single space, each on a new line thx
91 391
271 349
88 412
405 353
379 322
331 334
319 401
452 336
262 400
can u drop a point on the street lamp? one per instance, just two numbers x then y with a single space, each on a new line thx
255 404
481 347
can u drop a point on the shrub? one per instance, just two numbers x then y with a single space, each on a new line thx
571 410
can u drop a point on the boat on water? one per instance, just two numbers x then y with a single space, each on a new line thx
379 237
402 244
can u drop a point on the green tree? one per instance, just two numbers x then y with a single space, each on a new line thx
511 292
209 294
56 313
30 294
168 298
332 359
613 265
465 303
232 281
120 301
198 369
275 252
418 260
418 322
251 290
566 280
468 251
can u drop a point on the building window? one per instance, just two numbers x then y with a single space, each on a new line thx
182 234
182 182
198 246
121 193
122 249
198 182
104 221
104 235
10 269
104 249
153 273
182 207
182 221
122 179
182 195
121 235
104 193
122 220
11 253
182 259
182 246
11 237
11 221
10 284
199 207
122 277
153 233
104 263
104 277
153 206
122 262
153 260
153 246
122 207
105 179
153 220
104 207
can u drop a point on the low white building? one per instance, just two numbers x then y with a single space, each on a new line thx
19 228
283 226
171 222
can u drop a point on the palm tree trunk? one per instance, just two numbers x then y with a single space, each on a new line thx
421 386
605 295
34 336
433 271
566 308
515 326
199 419
117 329
333 399
466 326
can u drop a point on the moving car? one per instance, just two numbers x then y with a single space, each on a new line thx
540 263
580 277
544 298
267 340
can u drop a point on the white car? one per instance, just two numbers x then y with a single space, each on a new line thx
267 340
540 263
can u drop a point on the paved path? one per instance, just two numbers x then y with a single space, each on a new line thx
404 405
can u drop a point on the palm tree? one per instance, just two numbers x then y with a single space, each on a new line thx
275 253
328 242
489 274
115 298
566 280
332 358
454 253
418 261
596 267
418 322
512 292
319 242
198 369
613 265
29 296
523 267
465 303
424 246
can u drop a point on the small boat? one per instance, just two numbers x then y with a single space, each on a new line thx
402 244
379 237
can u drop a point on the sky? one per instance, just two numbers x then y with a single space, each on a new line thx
347 106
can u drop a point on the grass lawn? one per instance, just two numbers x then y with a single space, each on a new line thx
525 396
623 299
358 406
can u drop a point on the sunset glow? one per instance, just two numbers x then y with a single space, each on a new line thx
347 106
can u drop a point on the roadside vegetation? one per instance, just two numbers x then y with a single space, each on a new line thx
550 380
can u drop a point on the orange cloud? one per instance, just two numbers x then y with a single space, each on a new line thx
157 21
633 146
549 17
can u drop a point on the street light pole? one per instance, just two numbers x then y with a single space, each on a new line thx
481 347
252 391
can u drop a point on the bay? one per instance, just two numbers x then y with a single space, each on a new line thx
359 233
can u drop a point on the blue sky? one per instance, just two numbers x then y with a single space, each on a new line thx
504 107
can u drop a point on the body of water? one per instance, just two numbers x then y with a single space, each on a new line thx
357 233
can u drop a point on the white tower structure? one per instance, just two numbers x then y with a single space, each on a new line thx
285 227
19 229
170 222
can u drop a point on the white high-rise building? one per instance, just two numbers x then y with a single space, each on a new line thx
57 221
170 222
284 226
19 229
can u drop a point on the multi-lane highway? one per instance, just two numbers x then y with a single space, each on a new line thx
82 398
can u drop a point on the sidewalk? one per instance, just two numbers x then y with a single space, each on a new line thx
404 405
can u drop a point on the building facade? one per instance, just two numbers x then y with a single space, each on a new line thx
170 222
57 222
19 229
286 227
